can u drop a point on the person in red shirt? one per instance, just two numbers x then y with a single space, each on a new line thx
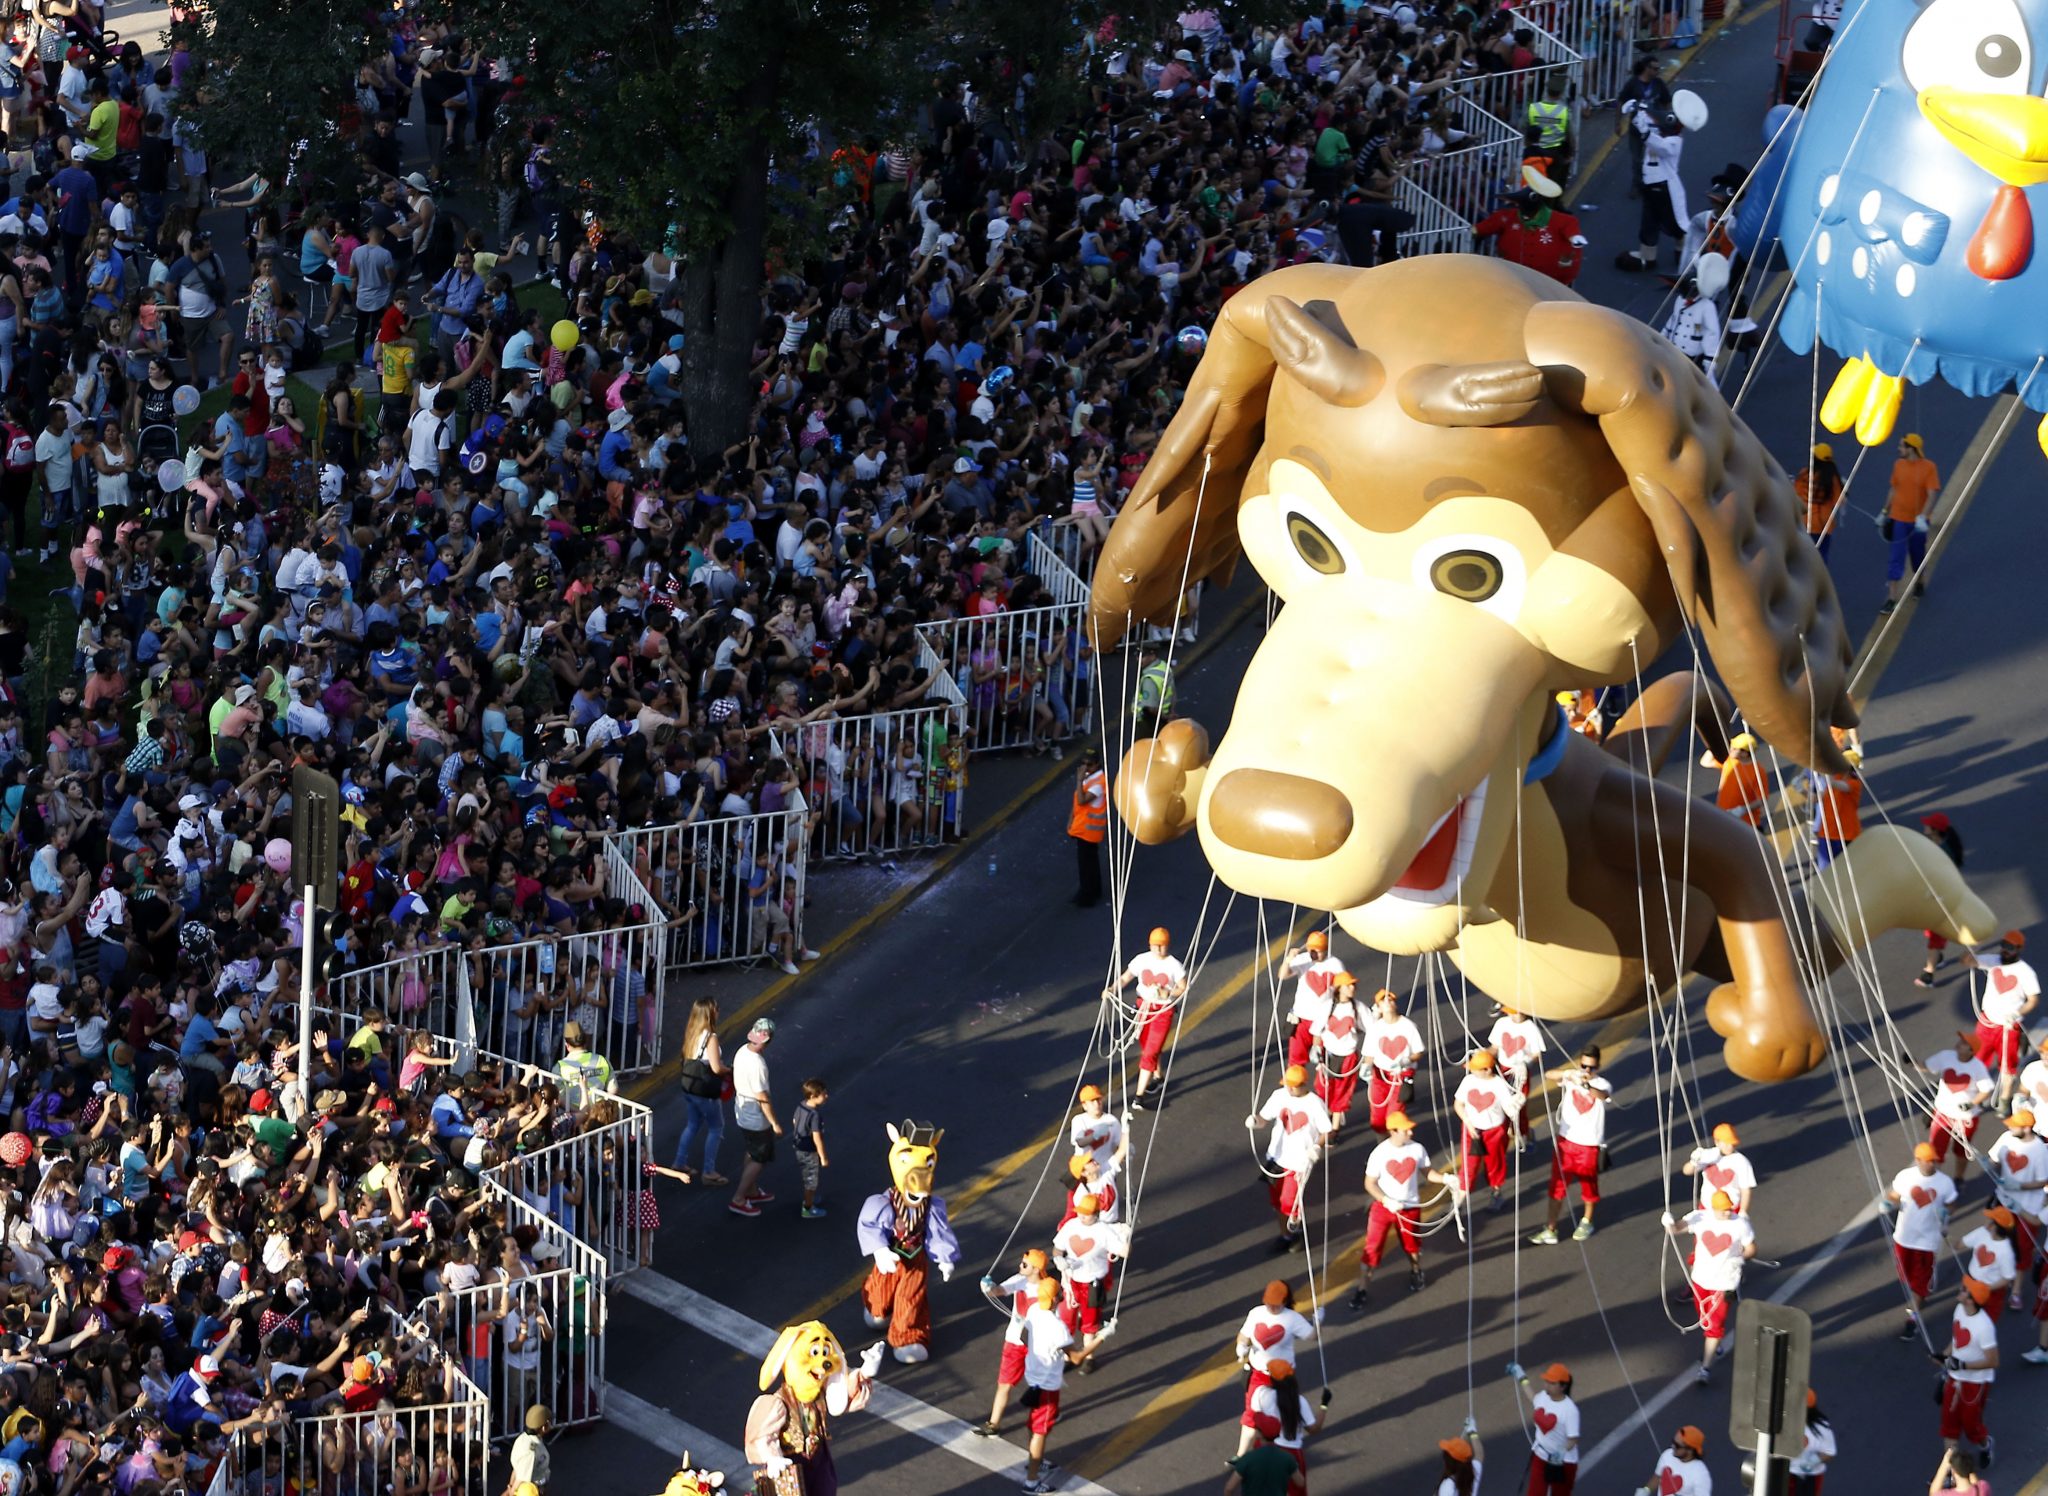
1743 791
1532 230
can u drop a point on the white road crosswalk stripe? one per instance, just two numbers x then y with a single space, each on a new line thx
663 1429
1679 1385
899 1408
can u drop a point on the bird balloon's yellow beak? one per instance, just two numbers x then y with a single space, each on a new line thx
2006 134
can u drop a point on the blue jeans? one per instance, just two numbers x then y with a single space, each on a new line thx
707 1114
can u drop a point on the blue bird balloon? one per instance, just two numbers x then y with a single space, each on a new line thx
1908 206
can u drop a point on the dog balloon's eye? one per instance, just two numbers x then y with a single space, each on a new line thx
1470 576
1313 546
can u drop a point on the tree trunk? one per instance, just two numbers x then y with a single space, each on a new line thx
722 289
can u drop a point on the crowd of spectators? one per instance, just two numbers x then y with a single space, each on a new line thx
340 497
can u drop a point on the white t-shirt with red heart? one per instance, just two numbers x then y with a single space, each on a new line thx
1085 1247
2020 1165
1676 1477
2034 1082
1159 981
1961 1084
1717 1249
1399 1169
1483 1100
1096 1135
1581 1111
1557 1425
1517 1044
1971 1333
1923 1201
1392 1045
1312 990
1340 1031
1986 1258
1300 1123
1023 1294
2007 986
1719 1171
1273 1332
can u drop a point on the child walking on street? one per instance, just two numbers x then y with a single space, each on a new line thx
807 1137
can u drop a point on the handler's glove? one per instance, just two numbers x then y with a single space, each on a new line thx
988 1284
1470 1425
1515 1371
775 1465
1251 1121
1318 1316
885 1263
1106 1331
871 1359
1666 1220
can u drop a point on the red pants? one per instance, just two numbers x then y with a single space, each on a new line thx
1252 1384
2041 1302
1962 1410
1522 1123
1995 1306
1286 1193
1916 1267
1941 1131
1540 1483
2023 1243
1998 1047
1337 1087
1010 1371
1711 1304
899 1297
1383 1220
1081 1306
1575 1162
1489 1148
1385 1093
1152 1036
1300 1042
1045 1412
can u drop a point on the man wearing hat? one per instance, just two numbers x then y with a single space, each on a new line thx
1535 231
1743 791
1394 1173
1694 322
2019 1164
1920 1197
1819 486
1970 1367
1270 1332
1681 1469
753 1112
1915 482
1962 1087
1087 824
1554 1445
530 1460
1664 208
1162 982
1723 1240
2011 991
1988 1255
1316 972
1483 1102
1300 1123
1722 1166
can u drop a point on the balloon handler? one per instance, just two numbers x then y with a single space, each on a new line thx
1471 487
904 1230
789 1428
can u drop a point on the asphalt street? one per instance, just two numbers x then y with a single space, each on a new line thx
972 1007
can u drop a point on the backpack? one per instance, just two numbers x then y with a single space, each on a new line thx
21 448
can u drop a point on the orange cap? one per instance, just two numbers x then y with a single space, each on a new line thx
1398 1122
1720 1201
1724 1133
1276 1369
1392 997
1557 1371
1084 1204
1457 1449
1036 1259
1277 1295
1078 1164
1692 1439
1294 1075
1048 1293
1979 1293
1925 1153
1998 1215
1481 1060
362 1369
1345 980
1159 935
1811 1400
2022 1118
2017 939
1317 941
1091 1093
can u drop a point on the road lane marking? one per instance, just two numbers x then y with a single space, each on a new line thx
662 1429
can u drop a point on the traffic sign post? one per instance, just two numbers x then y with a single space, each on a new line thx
1773 1360
316 872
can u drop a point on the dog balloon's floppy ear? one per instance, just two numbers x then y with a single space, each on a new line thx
1725 516
1283 322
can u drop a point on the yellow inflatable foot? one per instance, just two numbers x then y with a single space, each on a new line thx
1880 410
2041 433
1846 395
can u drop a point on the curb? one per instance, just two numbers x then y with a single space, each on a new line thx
647 1087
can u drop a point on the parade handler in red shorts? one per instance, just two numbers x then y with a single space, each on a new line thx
1162 982
1920 1197
905 1231
1016 1296
1580 1116
1722 1240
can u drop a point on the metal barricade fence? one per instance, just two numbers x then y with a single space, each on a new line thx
1063 578
705 872
591 1187
1437 229
1507 96
419 990
1606 34
1025 676
1470 178
882 782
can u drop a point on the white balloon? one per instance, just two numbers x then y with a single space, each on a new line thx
185 399
171 475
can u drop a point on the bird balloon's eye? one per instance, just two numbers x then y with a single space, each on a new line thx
1316 549
1976 46
1470 576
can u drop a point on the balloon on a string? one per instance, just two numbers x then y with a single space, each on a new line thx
185 399
277 853
1191 341
564 336
171 474
16 1149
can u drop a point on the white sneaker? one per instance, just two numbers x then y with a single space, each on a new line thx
790 968
2038 1356
807 954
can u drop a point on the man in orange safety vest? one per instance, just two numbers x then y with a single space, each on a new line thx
1087 823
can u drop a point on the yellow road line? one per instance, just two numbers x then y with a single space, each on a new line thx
958 1201
648 1086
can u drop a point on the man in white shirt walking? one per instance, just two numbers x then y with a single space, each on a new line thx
1580 1118
753 1112
1722 1240
1920 1196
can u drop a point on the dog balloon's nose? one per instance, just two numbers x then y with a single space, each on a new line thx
1279 815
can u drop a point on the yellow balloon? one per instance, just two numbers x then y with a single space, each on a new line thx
564 335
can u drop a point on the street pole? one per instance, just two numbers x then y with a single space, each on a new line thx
307 915
1762 1487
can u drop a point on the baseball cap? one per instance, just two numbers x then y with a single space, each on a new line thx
762 1026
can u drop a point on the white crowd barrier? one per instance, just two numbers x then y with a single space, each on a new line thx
1470 177
721 903
1438 228
882 782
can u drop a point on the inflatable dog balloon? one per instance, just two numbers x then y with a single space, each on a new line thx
1472 489
1908 208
